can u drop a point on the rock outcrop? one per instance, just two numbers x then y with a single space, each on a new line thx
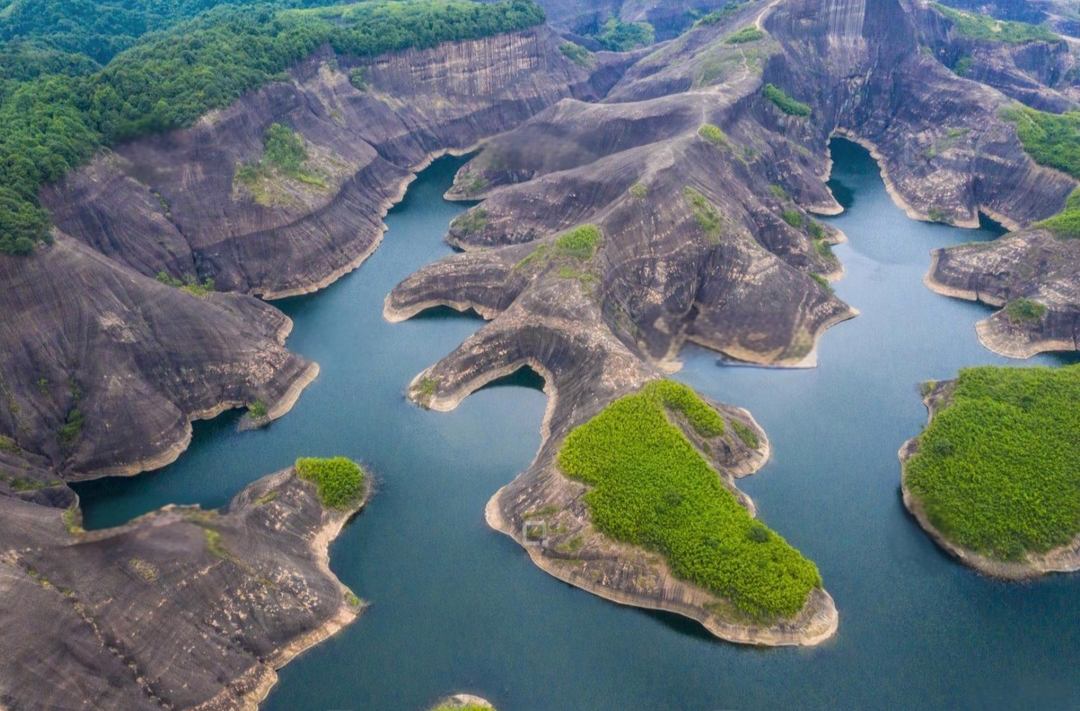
1033 265
103 369
181 608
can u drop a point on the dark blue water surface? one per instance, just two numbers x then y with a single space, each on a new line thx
458 607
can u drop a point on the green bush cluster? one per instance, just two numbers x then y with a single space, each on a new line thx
580 243
190 284
717 16
785 103
617 36
998 467
745 35
983 27
682 399
1024 310
715 136
652 488
1051 139
706 215
339 481
258 409
639 191
1065 224
52 122
793 218
577 54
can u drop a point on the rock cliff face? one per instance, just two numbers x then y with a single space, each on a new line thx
1032 264
701 189
183 608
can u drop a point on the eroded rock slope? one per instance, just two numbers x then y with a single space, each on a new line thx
698 175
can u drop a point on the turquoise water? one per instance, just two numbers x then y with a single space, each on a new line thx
458 607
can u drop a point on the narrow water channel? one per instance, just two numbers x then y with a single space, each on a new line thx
458 607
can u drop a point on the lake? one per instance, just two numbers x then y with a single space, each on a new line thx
459 607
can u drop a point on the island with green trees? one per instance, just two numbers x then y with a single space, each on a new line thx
995 476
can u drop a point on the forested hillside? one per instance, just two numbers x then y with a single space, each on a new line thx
54 119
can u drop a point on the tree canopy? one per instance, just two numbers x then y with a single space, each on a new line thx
55 113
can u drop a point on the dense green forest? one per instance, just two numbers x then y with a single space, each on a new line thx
651 487
52 121
998 469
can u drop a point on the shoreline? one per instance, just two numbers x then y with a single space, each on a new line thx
319 545
992 338
171 453
385 206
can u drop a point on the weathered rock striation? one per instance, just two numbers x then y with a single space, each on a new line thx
182 608
103 369
1032 264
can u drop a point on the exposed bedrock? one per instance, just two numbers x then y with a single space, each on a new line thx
1043 75
182 608
1033 265
172 202
103 369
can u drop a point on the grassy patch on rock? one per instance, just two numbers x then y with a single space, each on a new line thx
652 488
1021 310
1065 224
706 215
339 481
998 468
745 35
1051 139
785 103
982 27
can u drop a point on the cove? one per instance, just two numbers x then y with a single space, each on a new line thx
458 607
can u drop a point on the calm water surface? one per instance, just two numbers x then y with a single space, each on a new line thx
458 607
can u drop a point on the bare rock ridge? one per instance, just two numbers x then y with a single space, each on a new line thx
698 174
136 359
182 608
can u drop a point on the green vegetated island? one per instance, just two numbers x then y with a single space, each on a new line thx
651 487
339 482
995 476
64 94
